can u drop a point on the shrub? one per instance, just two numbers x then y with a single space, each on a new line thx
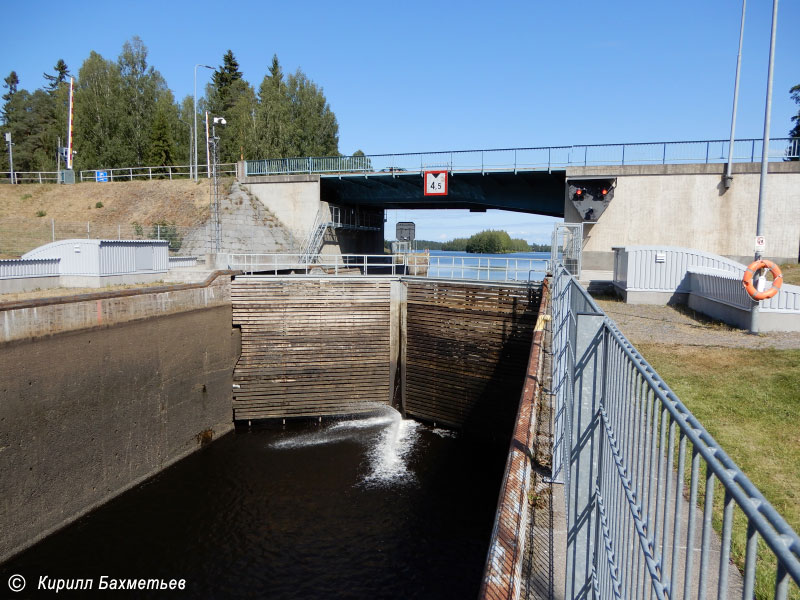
41 213
164 230
99 205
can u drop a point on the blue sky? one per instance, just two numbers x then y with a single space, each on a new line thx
424 76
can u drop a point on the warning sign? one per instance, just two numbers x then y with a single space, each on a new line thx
435 183
761 243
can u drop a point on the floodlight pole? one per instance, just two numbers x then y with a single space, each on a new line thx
728 178
195 116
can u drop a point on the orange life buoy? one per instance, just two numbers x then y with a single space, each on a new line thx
752 269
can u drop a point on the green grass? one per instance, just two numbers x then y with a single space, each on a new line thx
749 401
791 273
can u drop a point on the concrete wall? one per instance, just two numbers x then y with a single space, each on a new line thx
88 413
34 318
687 205
294 199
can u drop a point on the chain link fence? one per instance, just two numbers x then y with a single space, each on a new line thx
18 236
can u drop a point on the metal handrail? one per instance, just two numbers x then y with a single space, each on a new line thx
529 158
148 172
615 447
420 265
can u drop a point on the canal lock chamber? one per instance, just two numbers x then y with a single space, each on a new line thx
370 503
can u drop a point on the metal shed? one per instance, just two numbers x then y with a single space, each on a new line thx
106 258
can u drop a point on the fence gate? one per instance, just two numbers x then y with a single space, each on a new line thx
566 246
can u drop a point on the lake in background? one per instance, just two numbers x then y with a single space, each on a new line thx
515 266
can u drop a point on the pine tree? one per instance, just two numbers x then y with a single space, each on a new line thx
161 149
11 83
61 75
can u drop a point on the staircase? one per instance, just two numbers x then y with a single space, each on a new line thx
334 217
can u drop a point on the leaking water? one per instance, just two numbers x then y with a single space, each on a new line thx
374 507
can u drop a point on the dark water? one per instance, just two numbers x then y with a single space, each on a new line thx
370 508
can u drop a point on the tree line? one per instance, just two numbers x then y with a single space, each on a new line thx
125 115
484 242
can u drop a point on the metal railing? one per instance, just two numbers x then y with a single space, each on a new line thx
159 172
30 177
182 261
319 264
417 264
483 268
621 447
116 174
726 288
531 159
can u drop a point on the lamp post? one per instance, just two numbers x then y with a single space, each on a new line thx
762 186
728 177
195 115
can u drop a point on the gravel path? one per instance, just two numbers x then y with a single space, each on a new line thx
648 324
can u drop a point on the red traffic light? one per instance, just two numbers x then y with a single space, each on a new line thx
578 192
604 192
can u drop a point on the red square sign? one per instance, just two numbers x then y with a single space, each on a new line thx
435 183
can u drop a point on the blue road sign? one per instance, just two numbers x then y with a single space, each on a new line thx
102 175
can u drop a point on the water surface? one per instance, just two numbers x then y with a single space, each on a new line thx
376 507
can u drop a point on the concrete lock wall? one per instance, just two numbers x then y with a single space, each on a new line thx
87 413
688 206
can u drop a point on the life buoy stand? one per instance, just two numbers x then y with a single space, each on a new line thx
755 267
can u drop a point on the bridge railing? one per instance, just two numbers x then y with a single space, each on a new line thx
531 159
416 264
626 447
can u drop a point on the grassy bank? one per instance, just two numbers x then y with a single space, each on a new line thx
791 273
749 400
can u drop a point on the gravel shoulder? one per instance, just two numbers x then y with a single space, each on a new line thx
649 324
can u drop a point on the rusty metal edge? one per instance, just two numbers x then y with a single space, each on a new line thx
501 575
38 302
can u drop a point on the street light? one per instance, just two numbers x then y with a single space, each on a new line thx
195 116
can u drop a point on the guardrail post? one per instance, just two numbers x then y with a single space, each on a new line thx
584 455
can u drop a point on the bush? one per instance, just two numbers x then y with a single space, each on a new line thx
163 230
41 213
99 205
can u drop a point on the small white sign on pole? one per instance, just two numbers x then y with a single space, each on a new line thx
761 243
